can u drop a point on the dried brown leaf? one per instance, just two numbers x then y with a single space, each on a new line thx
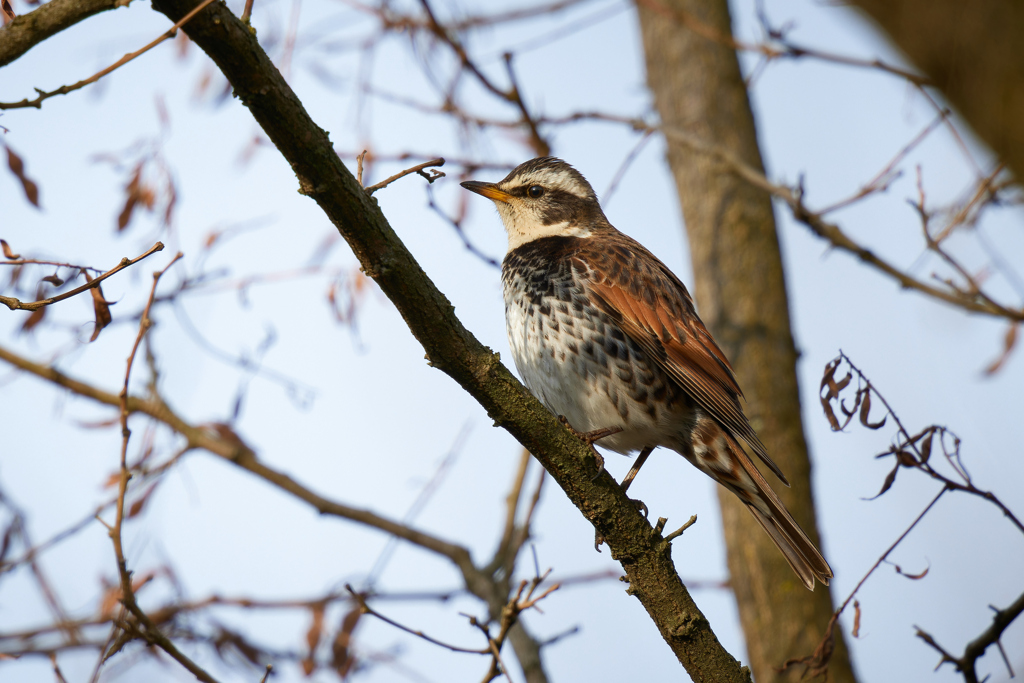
926 447
313 636
172 201
1009 341
15 276
132 197
125 217
161 110
850 412
110 600
53 280
17 166
8 252
147 197
912 577
865 412
181 45
906 458
833 421
203 84
139 581
101 309
834 389
341 650
136 507
225 638
887 484
100 424
856 619
34 319
8 11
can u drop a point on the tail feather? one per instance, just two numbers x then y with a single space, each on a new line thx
798 550
802 557
718 454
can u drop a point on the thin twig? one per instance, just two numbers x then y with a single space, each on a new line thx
418 168
359 166
921 461
783 48
16 305
816 663
679 532
65 89
511 508
149 632
361 601
888 174
976 648
540 145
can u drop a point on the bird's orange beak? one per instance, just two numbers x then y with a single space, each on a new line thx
489 190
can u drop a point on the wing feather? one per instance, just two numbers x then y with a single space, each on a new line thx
653 308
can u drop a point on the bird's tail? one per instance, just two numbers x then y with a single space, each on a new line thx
735 470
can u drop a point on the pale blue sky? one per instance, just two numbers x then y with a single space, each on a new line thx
382 420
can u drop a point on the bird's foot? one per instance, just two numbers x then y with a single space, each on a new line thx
590 437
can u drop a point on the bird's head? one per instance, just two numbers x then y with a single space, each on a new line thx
541 198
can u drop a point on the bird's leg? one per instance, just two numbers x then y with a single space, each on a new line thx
640 460
590 437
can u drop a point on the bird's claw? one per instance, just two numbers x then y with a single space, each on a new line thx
590 437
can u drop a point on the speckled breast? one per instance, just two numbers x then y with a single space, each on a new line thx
575 359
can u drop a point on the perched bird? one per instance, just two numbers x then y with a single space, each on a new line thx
604 334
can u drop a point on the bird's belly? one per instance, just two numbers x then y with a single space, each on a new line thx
579 364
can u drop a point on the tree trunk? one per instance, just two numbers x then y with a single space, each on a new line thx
972 51
741 296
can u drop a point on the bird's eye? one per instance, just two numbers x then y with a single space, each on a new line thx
535 191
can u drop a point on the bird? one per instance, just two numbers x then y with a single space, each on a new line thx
609 340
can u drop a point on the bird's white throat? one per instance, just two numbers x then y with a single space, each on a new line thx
523 229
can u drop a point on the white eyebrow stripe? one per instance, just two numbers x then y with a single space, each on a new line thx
554 180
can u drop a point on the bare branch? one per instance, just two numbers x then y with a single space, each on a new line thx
219 440
781 47
16 305
434 175
28 30
361 600
966 663
794 198
65 89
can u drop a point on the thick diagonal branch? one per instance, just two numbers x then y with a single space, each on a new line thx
28 30
644 555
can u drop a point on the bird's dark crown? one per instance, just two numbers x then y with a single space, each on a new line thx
550 173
